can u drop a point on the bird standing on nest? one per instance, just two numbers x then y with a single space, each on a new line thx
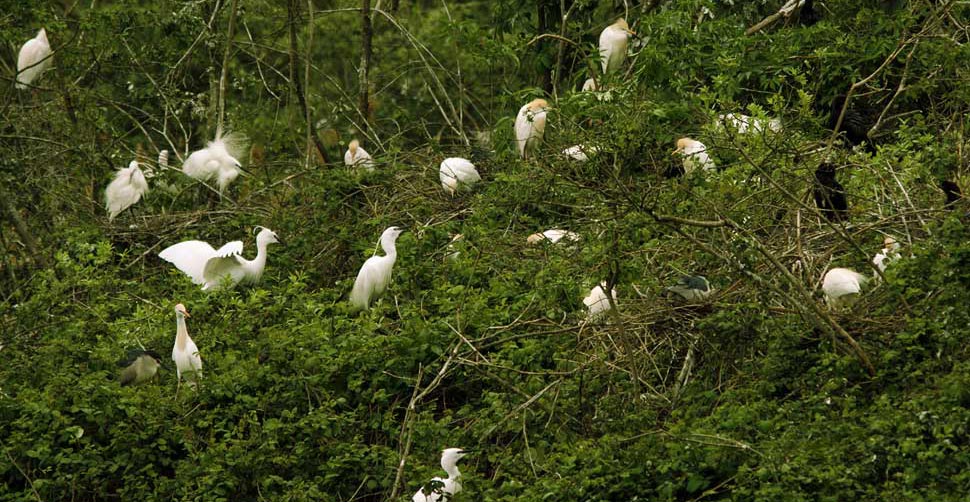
691 288
357 156
125 190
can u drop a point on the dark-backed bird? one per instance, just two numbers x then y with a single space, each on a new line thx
952 192
829 194
691 288
139 367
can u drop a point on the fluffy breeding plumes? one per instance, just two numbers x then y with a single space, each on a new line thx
613 42
530 125
744 124
829 194
597 302
375 274
580 153
554 236
439 489
455 170
188 362
139 367
209 267
842 286
217 161
691 288
357 156
125 190
33 59
694 154
888 254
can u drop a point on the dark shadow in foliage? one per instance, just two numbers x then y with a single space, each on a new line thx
829 194
807 15
952 192
859 118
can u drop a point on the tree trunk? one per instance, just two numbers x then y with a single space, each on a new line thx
20 226
367 32
297 86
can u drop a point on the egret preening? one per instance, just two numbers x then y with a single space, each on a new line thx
185 353
140 367
744 124
597 302
888 254
613 42
208 266
215 162
842 286
33 60
554 236
695 155
530 125
357 156
829 194
691 288
455 170
580 153
375 274
125 190
443 489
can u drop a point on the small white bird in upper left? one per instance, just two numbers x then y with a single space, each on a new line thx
33 59
208 266
188 362
356 155
214 162
530 126
695 155
443 489
375 274
125 190
613 43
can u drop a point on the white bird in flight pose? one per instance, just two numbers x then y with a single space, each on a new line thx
185 353
455 170
695 155
33 59
375 274
437 489
208 266
530 125
215 162
613 43
357 156
842 286
125 190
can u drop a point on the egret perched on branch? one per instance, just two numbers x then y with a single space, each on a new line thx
691 288
842 286
208 266
357 156
597 302
125 190
530 125
613 42
695 155
744 124
375 274
443 489
140 367
888 254
455 170
554 236
217 161
33 60
185 353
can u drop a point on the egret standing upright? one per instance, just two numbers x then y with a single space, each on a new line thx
613 43
530 125
185 353
33 59
375 274
125 190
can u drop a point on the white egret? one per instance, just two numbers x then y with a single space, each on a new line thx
590 85
613 43
375 274
580 153
185 353
744 124
125 190
554 236
888 254
357 156
455 170
597 302
215 162
530 125
695 155
691 288
33 60
140 367
443 489
842 286
208 266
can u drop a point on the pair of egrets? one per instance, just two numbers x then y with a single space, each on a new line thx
842 286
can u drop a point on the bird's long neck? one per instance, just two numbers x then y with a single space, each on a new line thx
181 333
257 265
390 247
452 471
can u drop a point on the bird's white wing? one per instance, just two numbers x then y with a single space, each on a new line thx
523 130
30 54
224 261
371 281
190 257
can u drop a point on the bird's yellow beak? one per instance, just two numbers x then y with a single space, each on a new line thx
186 313
678 150
632 33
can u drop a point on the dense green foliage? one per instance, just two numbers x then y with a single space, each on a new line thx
756 394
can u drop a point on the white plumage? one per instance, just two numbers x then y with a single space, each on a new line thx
33 59
208 266
580 153
375 274
215 162
694 154
357 156
590 85
888 254
597 302
125 190
530 125
188 362
554 236
455 170
842 286
450 485
613 44
744 124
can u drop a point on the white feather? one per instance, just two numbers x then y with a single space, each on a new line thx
216 162
530 126
125 190
597 302
33 59
455 170
842 286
